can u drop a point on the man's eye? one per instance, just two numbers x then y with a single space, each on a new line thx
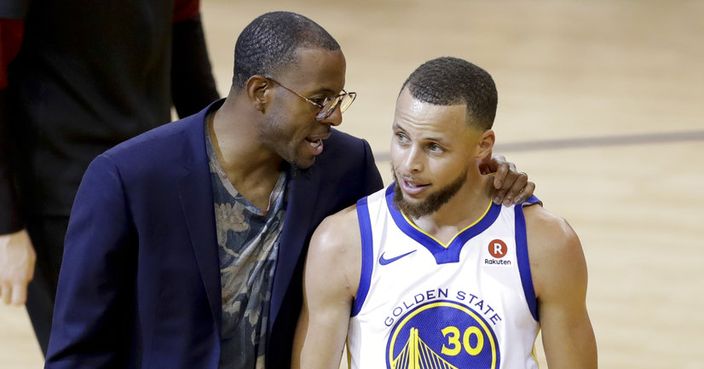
401 138
319 100
435 148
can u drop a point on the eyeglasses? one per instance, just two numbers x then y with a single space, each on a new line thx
326 105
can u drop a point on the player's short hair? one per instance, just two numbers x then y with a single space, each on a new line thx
269 43
451 81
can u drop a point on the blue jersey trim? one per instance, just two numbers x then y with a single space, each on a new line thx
442 255
532 200
524 262
365 230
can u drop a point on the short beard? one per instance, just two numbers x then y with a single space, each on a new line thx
432 203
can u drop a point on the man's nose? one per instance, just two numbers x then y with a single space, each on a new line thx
335 118
413 161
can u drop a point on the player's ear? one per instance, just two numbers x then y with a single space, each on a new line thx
256 88
485 144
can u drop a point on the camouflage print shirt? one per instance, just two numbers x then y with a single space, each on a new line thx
248 245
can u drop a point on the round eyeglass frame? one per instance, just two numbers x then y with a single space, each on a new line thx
344 99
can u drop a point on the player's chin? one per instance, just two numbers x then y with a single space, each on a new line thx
412 199
304 161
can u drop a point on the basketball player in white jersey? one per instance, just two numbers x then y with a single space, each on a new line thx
429 273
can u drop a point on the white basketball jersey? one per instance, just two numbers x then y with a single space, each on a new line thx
421 304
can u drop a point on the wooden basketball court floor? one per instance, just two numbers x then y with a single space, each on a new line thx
601 102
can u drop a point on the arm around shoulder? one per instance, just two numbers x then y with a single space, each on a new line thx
559 272
330 282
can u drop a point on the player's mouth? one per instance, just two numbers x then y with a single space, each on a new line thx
412 187
315 142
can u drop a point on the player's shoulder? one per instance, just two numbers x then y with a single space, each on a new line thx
336 221
542 220
337 232
548 233
557 262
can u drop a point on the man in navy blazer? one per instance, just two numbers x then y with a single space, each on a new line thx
142 279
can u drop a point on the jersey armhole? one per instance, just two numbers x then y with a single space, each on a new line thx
524 262
532 200
365 230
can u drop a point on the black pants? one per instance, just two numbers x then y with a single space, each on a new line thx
47 234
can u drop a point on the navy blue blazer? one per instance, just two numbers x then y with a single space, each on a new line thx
140 281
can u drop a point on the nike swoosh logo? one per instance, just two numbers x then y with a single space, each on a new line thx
384 261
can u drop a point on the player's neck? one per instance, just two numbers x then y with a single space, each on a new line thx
251 170
467 207
242 153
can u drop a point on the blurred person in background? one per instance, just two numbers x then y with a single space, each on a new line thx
76 78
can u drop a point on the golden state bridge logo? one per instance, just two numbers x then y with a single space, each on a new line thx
442 334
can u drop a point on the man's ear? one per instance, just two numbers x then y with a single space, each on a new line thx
257 88
485 145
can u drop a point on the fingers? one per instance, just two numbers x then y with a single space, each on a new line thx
491 164
498 159
6 293
500 177
526 193
13 294
19 294
17 262
514 189
512 167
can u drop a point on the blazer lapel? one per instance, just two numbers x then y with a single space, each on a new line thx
299 212
196 197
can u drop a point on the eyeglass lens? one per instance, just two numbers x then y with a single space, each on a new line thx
344 100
